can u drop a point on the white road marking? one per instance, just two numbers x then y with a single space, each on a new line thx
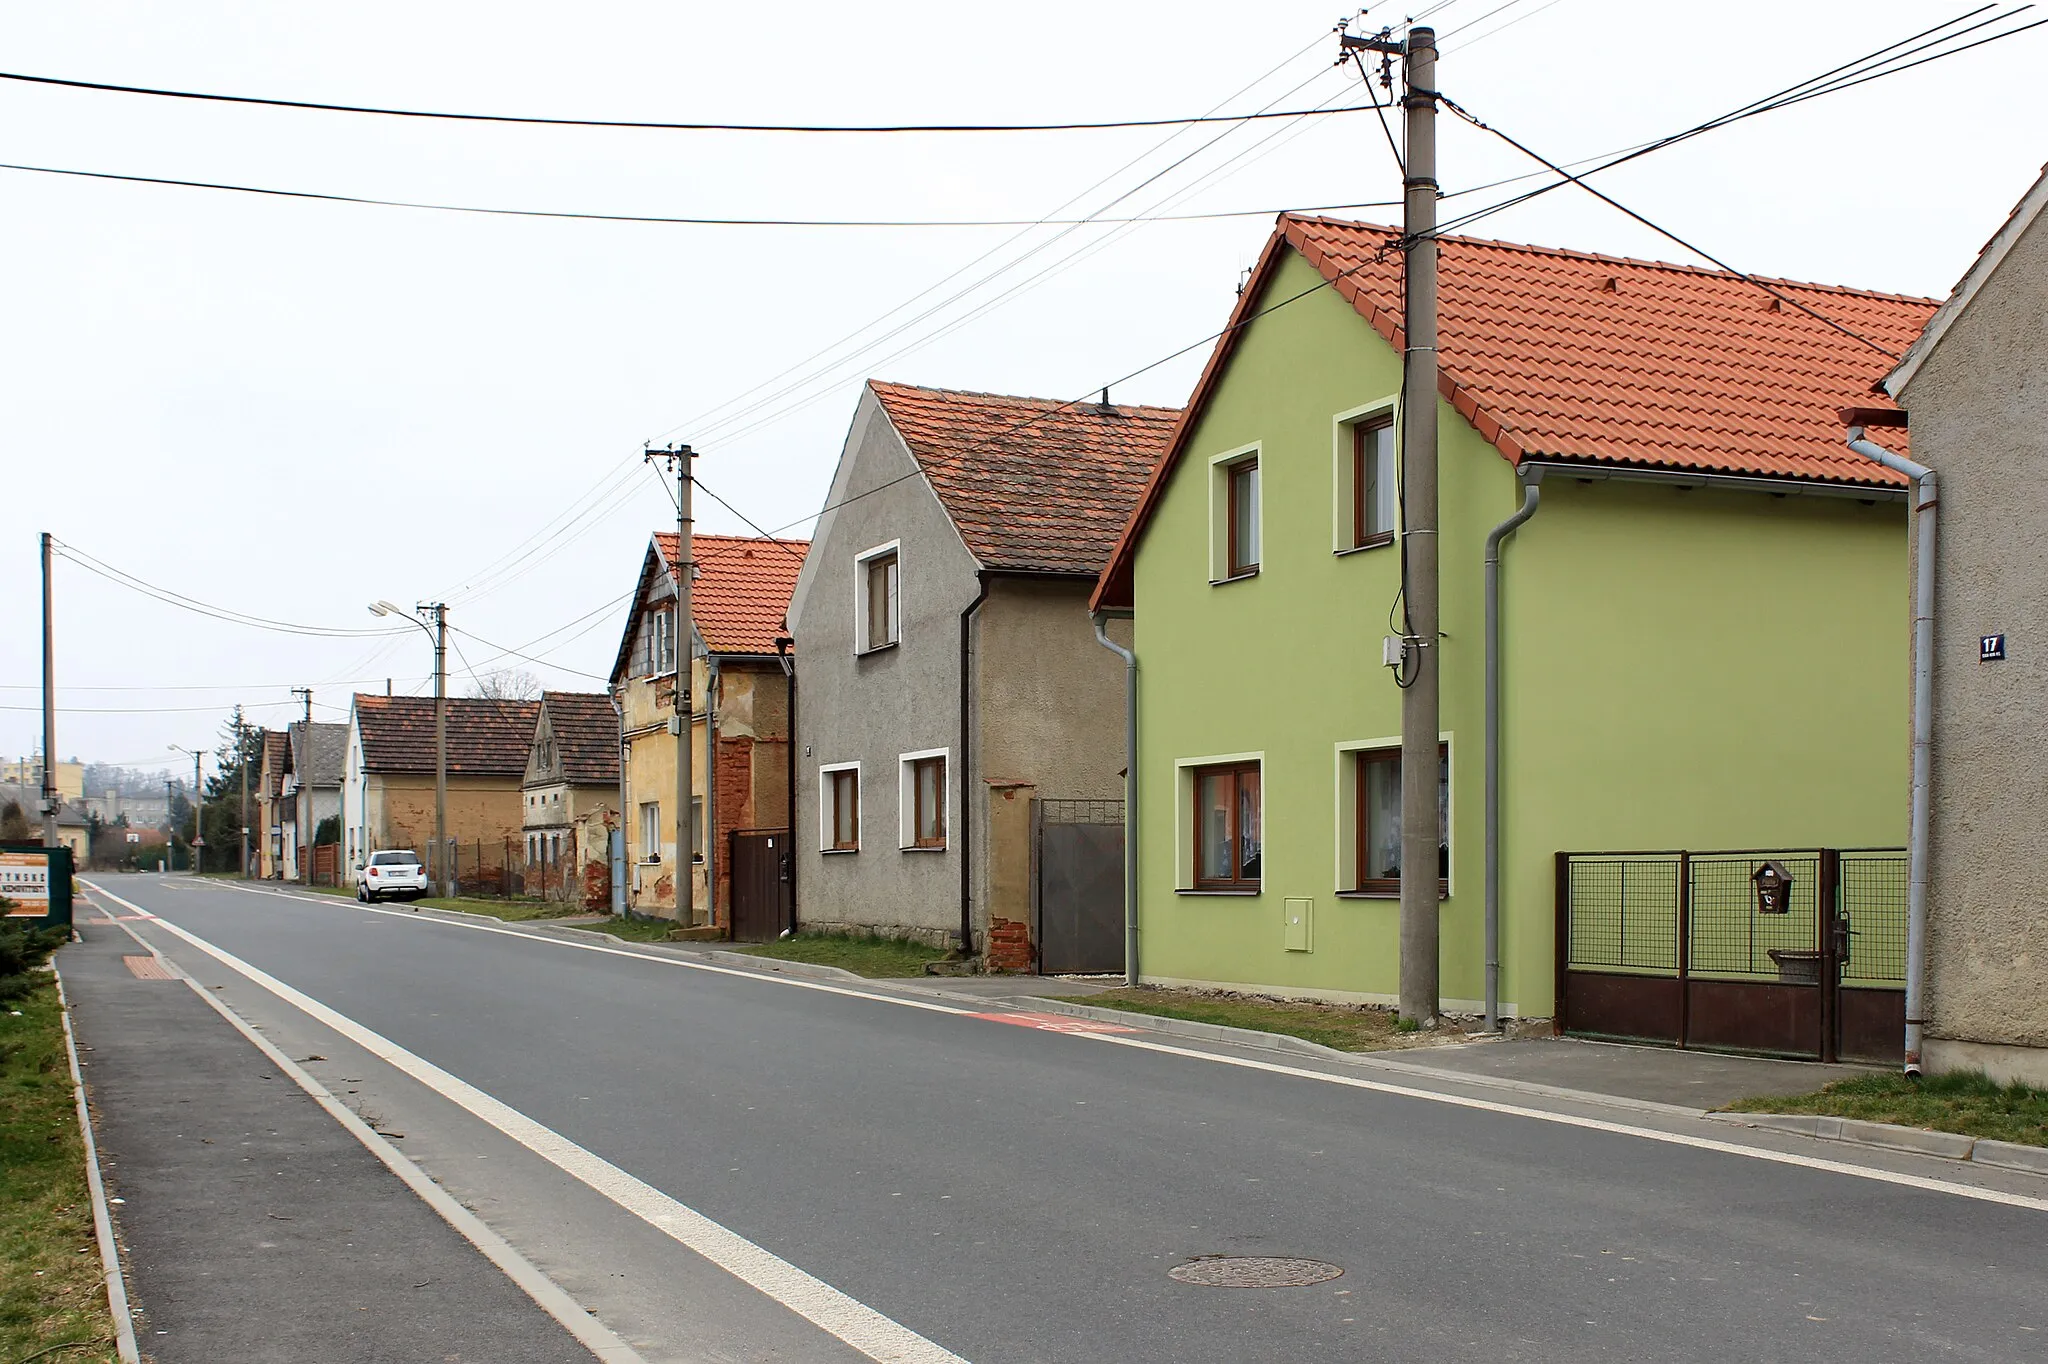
860 1326
1730 1148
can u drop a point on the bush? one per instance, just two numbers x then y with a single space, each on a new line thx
23 947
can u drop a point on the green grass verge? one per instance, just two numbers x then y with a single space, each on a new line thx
1960 1101
864 955
633 930
50 1285
1330 1025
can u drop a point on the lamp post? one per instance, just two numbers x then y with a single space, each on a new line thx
198 806
438 632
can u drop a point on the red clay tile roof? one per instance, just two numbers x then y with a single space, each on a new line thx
1032 483
586 735
1565 355
741 591
486 738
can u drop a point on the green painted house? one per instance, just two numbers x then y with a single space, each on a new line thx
1701 643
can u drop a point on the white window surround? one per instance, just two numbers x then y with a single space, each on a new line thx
826 810
906 799
650 832
1341 472
1184 820
1219 510
1347 808
861 643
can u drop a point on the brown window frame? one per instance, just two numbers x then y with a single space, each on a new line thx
1362 760
1236 881
850 776
1362 433
1233 567
917 806
892 562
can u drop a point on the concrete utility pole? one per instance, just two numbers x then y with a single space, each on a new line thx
198 818
302 799
682 459
1419 722
242 760
49 709
445 864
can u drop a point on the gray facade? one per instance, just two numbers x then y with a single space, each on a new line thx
1976 392
1045 700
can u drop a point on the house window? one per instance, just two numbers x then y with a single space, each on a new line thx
698 833
923 799
1379 820
1242 517
650 831
661 642
839 808
1374 489
1227 826
880 600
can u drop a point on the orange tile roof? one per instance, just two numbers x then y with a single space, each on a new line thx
1567 355
741 592
1033 484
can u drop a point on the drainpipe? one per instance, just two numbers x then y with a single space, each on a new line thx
966 766
1532 494
783 644
1130 659
1926 498
711 680
615 855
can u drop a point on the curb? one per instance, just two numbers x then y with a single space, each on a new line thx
1892 1137
102 1216
1273 1041
769 965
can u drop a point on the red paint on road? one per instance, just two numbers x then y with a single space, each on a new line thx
1054 1022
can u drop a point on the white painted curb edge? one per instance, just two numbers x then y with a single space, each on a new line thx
102 1217
1893 1137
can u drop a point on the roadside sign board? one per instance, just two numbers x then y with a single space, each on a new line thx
37 881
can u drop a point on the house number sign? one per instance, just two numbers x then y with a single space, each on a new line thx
1990 648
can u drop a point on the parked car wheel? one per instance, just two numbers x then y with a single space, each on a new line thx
369 896
360 893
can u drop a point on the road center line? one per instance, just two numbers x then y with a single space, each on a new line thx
862 1327
1912 1181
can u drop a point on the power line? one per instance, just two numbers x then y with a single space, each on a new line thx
122 578
367 201
104 87
514 653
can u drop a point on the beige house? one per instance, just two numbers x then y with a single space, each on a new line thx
1975 390
570 798
387 785
741 672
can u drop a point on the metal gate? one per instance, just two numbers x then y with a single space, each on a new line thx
1079 886
759 867
1798 953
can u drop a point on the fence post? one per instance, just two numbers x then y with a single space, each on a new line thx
1563 934
1825 911
1684 947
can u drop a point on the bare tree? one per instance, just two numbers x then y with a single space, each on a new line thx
508 684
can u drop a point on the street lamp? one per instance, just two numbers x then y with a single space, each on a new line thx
438 632
198 807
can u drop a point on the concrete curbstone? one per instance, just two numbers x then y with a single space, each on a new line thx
2011 1155
1857 1132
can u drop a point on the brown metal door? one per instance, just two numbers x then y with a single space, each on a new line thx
760 883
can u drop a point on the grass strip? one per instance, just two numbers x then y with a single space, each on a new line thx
51 1286
1968 1102
863 954
633 930
1330 1025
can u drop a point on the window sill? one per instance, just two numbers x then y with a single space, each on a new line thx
1239 894
877 649
1381 541
1443 893
839 852
917 848
1235 578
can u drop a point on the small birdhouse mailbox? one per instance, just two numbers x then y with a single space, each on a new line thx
1773 888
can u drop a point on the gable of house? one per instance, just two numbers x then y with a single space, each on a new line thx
575 740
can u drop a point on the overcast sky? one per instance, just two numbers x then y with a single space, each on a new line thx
294 408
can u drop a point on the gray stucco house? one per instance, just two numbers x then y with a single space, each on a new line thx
952 683
1975 390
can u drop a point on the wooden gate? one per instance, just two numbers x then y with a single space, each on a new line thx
1703 950
758 863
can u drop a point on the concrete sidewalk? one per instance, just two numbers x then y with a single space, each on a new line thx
253 1225
1690 1079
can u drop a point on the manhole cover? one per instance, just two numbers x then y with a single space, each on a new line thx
1253 1271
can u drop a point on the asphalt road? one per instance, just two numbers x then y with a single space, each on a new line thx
1015 1195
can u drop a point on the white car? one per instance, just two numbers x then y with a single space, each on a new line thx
391 873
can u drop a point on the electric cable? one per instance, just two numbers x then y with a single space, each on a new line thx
170 597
